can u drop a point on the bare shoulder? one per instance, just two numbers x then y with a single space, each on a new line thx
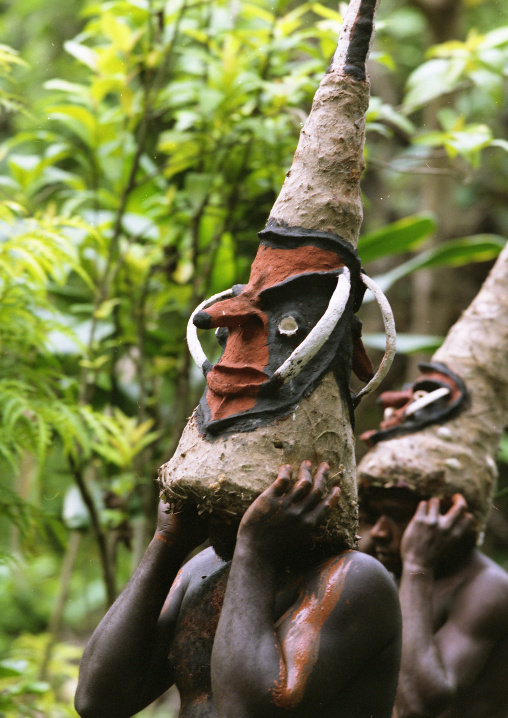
363 572
490 578
484 595
193 573
363 588
201 566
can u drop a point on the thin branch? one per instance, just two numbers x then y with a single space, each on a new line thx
108 575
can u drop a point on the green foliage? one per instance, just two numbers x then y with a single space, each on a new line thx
151 142
24 693
465 79
457 138
454 253
9 102
398 237
406 343
477 63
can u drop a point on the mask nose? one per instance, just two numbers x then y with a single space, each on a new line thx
228 313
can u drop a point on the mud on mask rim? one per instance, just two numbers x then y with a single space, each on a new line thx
316 338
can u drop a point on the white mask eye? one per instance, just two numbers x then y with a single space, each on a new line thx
288 326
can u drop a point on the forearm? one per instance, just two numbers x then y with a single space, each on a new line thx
116 659
424 688
246 659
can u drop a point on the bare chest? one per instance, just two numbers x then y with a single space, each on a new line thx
191 649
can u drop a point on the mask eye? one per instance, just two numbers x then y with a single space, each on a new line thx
287 326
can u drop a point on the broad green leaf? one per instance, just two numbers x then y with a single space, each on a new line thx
10 667
251 10
70 88
406 343
36 687
385 59
78 119
396 238
500 143
82 53
469 143
120 33
198 186
224 266
139 225
496 37
382 111
9 57
455 253
326 12
432 79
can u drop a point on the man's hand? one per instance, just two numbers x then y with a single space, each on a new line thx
430 534
181 529
283 518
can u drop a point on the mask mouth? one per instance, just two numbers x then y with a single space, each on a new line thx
233 381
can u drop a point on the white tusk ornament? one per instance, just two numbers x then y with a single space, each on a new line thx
317 337
424 401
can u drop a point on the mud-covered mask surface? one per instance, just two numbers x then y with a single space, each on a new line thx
289 290
435 397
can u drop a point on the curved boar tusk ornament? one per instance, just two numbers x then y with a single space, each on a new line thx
391 339
426 400
195 348
320 334
316 338
304 352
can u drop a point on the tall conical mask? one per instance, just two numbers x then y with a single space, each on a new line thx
441 435
280 393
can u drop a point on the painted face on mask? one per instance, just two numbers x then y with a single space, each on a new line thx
271 354
437 395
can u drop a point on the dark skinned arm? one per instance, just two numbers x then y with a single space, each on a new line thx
436 667
124 665
291 668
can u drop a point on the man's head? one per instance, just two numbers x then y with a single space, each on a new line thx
384 516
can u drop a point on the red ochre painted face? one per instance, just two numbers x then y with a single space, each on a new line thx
245 365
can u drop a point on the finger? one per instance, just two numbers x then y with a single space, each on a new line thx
459 503
281 483
456 510
462 526
318 491
433 510
324 506
304 484
421 510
